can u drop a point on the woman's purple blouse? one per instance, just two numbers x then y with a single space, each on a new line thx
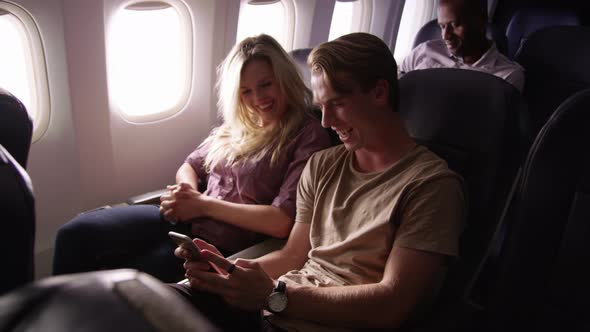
255 183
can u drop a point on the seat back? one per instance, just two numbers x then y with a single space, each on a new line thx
477 123
557 65
543 279
526 21
16 127
431 31
115 300
300 58
18 219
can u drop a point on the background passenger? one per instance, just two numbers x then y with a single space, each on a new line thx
464 44
252 164
377 216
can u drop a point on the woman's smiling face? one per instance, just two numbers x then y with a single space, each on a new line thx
259 90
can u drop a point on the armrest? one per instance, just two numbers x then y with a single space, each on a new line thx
153 197
259 249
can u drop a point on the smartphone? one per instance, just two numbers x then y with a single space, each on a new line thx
186 243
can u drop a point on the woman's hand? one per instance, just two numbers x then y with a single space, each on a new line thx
183 203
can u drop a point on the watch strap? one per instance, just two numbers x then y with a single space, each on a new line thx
281 287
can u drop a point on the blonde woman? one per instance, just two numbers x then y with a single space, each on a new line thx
251 164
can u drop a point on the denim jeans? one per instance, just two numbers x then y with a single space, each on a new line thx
123 237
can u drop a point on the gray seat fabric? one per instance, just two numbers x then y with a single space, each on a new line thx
554 73
543 274
478 123
18 218
115 300
300 58
526 21
16 127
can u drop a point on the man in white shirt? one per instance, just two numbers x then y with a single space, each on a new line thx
464 44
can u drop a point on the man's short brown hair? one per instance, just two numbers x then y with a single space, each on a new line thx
361 56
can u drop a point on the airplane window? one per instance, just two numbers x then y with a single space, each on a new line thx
22 64
416 13
149 56
275 22
350 16
341 19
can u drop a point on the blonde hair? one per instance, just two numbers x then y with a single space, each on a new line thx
241 137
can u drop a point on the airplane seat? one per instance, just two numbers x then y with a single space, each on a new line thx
16 127
18 214
300 58
431 31
526 21
115 300
543 276
478 124
557 65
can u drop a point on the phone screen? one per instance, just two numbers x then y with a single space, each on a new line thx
186 243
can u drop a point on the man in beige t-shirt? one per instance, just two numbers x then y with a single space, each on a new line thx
377 217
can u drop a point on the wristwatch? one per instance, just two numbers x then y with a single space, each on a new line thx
276 302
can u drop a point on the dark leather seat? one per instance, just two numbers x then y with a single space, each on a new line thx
16 127
557 65
526 21
431 31
478 123
115 300
18 218
542 284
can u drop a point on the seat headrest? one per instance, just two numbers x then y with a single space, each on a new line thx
300 58
436 110
526 21
16 127
554 73
116 300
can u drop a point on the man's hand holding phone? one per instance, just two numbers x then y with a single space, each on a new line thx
188 249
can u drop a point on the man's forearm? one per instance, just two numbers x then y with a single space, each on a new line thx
366 306
277 263
292 256
410 276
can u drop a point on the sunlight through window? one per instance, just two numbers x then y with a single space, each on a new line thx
341 19
263 18
147 61
23 71
416 13
13 61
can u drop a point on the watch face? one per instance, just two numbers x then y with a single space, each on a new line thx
277 302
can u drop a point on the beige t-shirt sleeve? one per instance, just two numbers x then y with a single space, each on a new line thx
433 216
305 194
